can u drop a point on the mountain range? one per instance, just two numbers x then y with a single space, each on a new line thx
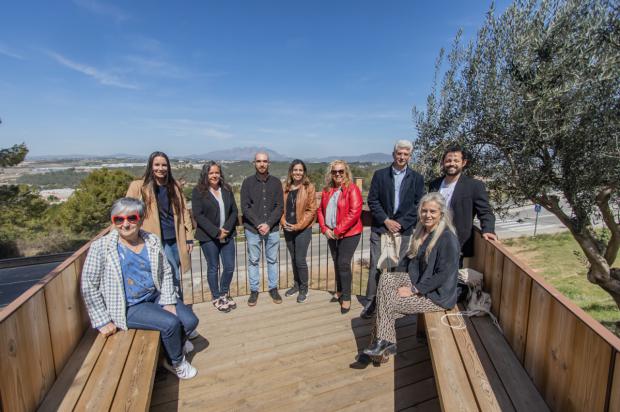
237 153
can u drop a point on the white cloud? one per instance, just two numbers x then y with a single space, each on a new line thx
104 9
102 77
9 53
156 67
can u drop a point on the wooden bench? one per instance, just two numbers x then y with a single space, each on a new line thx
475 368
114 373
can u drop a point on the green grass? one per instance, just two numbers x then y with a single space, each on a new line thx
560 261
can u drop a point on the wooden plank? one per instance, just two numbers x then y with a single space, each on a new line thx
614 398
496 383
65 314
26 360
475 371
103 381
480 245
136 384
518 385
70 383
514 310
453 387
568 362
496 274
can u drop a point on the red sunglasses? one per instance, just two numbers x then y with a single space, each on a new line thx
120 219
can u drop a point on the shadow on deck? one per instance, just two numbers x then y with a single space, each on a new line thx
296 357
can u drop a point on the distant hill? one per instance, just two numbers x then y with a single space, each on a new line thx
240 153
365 158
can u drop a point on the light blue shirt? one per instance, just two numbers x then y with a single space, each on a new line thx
331 211
398 175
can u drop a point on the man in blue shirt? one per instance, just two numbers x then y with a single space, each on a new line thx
395 192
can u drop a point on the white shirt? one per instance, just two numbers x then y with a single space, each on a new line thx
217 194
447 190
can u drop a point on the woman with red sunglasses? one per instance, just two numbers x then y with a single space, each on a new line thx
340 220
127 283
166 213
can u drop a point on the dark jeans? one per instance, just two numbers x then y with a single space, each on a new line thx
213 251
171 250
173 329
297 244
342 253
375 252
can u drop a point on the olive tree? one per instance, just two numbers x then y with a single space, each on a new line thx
536 98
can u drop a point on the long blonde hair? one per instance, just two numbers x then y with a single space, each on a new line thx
445 222
329 181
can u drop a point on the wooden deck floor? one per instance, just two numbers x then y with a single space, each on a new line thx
295 357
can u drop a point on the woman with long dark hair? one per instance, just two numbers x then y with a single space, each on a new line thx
297 218
215 211
340 220
166 213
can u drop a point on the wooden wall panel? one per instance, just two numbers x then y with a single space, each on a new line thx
568 362
480 245
26 361
65 314
614 399
514 310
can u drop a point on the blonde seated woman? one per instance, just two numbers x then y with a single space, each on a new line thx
428 279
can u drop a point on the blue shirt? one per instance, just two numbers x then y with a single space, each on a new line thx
137 276
398 176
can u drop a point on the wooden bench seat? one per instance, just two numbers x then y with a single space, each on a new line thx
114 373
475 368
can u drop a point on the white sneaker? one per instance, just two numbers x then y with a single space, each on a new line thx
188 347
194 334
184 370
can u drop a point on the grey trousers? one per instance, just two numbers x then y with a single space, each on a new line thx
390 306
375 252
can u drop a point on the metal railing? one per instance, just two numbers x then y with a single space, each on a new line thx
321 275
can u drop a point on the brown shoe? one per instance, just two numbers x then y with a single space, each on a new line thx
275 295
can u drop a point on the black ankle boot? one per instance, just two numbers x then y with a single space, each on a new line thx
369 309
381 347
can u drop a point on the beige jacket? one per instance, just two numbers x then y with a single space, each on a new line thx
305 207
183 224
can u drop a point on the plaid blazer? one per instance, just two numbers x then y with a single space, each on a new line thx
102 280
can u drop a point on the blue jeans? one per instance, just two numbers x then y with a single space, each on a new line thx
173 329
272 245
171 250
213 250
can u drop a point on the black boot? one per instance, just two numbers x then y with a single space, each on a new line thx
369 309
381 347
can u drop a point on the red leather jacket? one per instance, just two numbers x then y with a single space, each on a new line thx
348 216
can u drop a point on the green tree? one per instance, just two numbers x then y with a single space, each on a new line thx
536 98
13 155
87 211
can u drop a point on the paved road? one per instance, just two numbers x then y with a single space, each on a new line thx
14 281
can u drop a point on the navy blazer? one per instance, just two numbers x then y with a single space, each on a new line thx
469 200
381 199
206 211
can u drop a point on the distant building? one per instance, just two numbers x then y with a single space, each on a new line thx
56 195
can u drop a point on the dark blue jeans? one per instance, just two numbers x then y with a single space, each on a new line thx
213 251
173 329
171 250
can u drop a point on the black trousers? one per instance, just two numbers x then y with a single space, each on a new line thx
297 244
342 253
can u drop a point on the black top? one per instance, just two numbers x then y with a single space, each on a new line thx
166 215
381 199
469 200
262 201
436 276
206 211
291 202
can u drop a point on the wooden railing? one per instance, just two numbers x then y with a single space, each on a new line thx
572 359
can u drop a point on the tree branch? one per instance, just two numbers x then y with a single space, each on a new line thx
602 200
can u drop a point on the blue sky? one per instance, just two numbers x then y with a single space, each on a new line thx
305 78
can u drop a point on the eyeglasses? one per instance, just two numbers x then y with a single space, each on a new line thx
338 172
120 219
